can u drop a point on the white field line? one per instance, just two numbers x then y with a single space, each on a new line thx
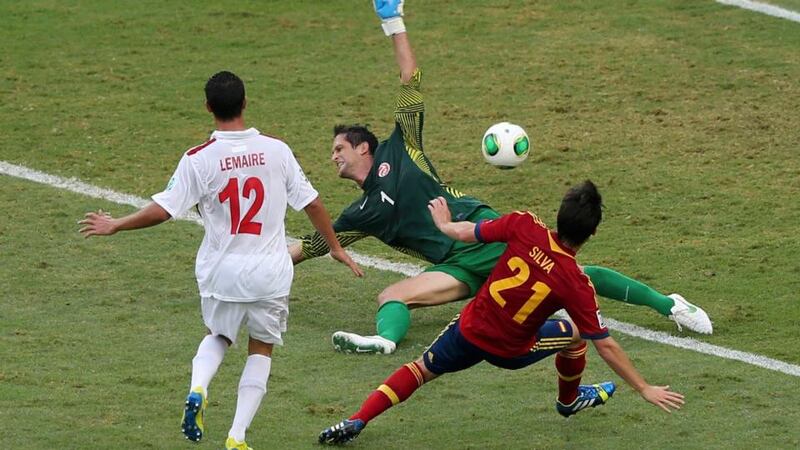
702 347
764 8
80 187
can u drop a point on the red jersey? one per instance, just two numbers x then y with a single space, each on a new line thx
535 277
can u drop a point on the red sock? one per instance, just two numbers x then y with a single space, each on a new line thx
398 387
569 365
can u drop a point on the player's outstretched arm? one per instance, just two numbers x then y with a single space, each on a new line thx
391 14
460 231
318 215
404 56
102 224
616 358
314 245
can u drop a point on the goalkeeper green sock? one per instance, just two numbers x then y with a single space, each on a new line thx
616 286
393 320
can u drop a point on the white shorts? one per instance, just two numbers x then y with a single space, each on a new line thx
265 319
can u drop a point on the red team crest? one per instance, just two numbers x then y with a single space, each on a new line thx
384 169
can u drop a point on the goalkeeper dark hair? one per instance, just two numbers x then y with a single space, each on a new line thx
225 95
356 134
580 213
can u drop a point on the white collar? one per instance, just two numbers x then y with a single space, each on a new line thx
250 132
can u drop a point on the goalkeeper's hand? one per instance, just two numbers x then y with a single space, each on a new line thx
388 9
391 15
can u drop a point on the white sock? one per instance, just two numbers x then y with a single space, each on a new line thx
206 362
252 387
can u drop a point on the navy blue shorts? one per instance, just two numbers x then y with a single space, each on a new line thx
452 352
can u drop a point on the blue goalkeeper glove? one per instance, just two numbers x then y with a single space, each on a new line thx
391 14
388 9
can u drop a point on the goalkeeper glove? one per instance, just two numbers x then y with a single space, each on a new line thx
391 14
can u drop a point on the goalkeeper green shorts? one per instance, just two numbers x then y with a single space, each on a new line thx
472 263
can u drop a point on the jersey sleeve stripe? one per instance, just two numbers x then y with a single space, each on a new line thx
409 110
273 137
194 150
478 230
315 245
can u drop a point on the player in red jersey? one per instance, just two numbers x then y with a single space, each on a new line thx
396 179
508 325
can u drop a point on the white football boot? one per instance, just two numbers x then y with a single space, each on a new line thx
690 316
355 343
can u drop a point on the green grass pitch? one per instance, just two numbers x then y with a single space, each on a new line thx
683 112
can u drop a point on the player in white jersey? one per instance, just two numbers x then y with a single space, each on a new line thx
241 182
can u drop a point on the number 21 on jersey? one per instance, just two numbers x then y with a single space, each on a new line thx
521 275
252 186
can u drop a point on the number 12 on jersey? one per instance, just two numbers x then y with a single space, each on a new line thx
251 186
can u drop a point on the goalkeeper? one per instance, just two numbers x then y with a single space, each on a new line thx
398 180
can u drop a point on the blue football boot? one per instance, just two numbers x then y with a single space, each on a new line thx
342 432
195 407
588 396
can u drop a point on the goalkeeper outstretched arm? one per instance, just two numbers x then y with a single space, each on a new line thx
404 56
391 14
314 245
318 216
409 106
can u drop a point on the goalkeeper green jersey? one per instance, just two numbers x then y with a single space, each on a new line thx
394 206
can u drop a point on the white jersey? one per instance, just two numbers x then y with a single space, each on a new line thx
241 182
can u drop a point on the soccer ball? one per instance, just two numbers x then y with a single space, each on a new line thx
505 145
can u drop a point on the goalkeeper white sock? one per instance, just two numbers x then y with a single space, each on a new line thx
252 387
207 360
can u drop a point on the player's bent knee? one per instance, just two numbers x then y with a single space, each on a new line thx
427 375
389 294
258 347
